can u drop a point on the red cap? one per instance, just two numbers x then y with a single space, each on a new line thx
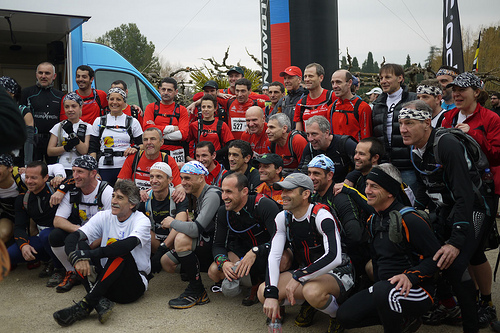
293 71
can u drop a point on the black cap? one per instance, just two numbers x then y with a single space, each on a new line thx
271 159
211 84
237 70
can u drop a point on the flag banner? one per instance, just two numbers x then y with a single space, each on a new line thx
475 66
452 36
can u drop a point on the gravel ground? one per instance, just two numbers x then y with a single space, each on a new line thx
27 306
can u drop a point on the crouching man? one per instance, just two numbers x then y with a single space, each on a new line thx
116 271
325 277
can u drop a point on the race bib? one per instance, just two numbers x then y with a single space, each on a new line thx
238 124
178 155
143 184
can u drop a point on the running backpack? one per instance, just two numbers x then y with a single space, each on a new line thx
293 133
304 106
176 114
75 199
28 192
355 111
218 130
137 157
230 102
127 127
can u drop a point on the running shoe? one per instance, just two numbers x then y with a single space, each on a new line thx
56 278
70 315
252 298
104 309
305 316
189 299
486 315
334 326
70 279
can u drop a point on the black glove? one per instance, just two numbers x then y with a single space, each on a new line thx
78 255
71 143
68 127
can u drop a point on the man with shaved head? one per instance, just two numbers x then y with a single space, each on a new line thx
349 114
256 131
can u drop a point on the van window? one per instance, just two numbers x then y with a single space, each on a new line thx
104 78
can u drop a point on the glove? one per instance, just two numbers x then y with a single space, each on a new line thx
168 129
78 255
68 127
71 144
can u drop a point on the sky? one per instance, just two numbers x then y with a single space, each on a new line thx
184 32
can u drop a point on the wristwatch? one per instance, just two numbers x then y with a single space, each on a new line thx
255 249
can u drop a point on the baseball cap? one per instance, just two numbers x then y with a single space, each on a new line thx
323 162
231 288
374 91
211 84
271 159
265 86
293 71
162 166
466 80
237 70
85 162
293 181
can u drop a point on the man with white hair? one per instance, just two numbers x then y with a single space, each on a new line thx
116 270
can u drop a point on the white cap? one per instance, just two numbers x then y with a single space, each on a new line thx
162 166
374 91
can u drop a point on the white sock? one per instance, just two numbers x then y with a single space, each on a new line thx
63 258
331 307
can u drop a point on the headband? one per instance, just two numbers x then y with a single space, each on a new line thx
444 71
85 162
406 113
323 162
9 84
6 160
73 96
429 90
194 168
390 184
118 91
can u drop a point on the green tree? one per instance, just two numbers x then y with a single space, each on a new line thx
368 65
408 62
131 44
355 65
343 63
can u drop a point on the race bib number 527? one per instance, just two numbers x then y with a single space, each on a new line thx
238 124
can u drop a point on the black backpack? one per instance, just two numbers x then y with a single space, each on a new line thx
355 111
304 106
75 199
176 114
128 126
218 130
293 133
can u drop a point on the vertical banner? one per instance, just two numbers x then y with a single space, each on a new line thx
452 36
475 64
265 28
297 33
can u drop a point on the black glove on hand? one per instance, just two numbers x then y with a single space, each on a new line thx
68 127
78 255
71 144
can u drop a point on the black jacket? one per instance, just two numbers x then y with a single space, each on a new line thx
46 106
413 256
397 153
287 104
449 187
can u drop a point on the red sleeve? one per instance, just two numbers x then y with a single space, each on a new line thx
183 122
261 103
489 139
126 171
227 135
365 120
296 115
62 116
254 95
223 102
192 137
103 98
299 145
176 174
148 120
198 95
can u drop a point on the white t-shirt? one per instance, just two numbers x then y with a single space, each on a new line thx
116 138
86 211
66 159
106 226
392 100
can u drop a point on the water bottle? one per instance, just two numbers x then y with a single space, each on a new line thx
488 180
275 327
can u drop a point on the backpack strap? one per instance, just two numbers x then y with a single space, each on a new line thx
128 126
135 162
102 125
219 132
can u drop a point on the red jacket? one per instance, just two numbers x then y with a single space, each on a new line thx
485 129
